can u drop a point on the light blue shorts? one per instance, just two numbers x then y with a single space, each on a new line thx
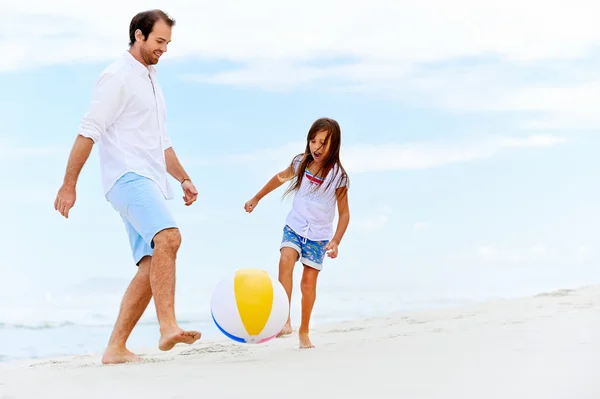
310 253
144 211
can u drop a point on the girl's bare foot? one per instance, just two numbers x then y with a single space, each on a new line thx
287 329
305 341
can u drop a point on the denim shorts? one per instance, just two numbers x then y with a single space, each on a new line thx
310 253
144 211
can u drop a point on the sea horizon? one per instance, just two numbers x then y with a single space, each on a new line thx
76 324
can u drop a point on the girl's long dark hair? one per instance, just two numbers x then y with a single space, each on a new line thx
334 137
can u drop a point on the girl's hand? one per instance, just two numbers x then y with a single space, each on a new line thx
332 249
250 205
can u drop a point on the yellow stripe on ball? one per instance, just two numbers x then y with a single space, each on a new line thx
254 297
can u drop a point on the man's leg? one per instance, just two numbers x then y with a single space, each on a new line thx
162 282
153 234
134 303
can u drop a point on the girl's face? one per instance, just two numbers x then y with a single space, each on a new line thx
318 147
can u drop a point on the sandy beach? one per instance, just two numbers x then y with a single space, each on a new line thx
546 346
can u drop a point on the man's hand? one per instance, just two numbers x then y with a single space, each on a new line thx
190 194
65 199
332 249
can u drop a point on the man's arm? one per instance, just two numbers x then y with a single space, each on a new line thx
66 197
174 167
107 102
77 158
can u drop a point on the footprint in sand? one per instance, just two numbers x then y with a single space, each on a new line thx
464 316
399 335
557 293
346 330
414 321
47 363
214 349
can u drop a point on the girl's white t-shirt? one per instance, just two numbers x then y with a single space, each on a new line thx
313 207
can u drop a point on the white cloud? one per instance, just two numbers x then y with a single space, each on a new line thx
10 151
423 155
376 221
386 46
582 253
417 30
285 75
564 107
539 250
486 251
533 141
560 100
283 153
421 226
512 255
361 158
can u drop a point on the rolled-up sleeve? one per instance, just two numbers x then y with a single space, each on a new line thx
107 102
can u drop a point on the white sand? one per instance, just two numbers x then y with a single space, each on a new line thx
546 347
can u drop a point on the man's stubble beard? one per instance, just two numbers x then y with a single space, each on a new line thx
148 56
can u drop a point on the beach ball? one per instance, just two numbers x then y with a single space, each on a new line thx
249 306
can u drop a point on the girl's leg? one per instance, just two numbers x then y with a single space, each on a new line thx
308 287
287 261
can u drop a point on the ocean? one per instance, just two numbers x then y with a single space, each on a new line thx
78 319
74 325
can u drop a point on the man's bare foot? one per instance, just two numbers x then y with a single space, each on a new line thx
117 356
287 330
169 339
305 341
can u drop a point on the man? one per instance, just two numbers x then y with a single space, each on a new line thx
126 119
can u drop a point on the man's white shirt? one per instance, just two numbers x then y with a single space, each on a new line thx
127 120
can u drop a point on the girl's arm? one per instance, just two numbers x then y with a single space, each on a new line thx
274 183
343 212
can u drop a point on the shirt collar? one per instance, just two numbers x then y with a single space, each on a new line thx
137 66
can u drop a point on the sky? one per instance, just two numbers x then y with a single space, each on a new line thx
468 131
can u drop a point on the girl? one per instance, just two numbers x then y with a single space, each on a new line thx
320 182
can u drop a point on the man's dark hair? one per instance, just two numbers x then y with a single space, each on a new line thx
145 20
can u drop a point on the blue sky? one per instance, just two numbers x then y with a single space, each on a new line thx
470 154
